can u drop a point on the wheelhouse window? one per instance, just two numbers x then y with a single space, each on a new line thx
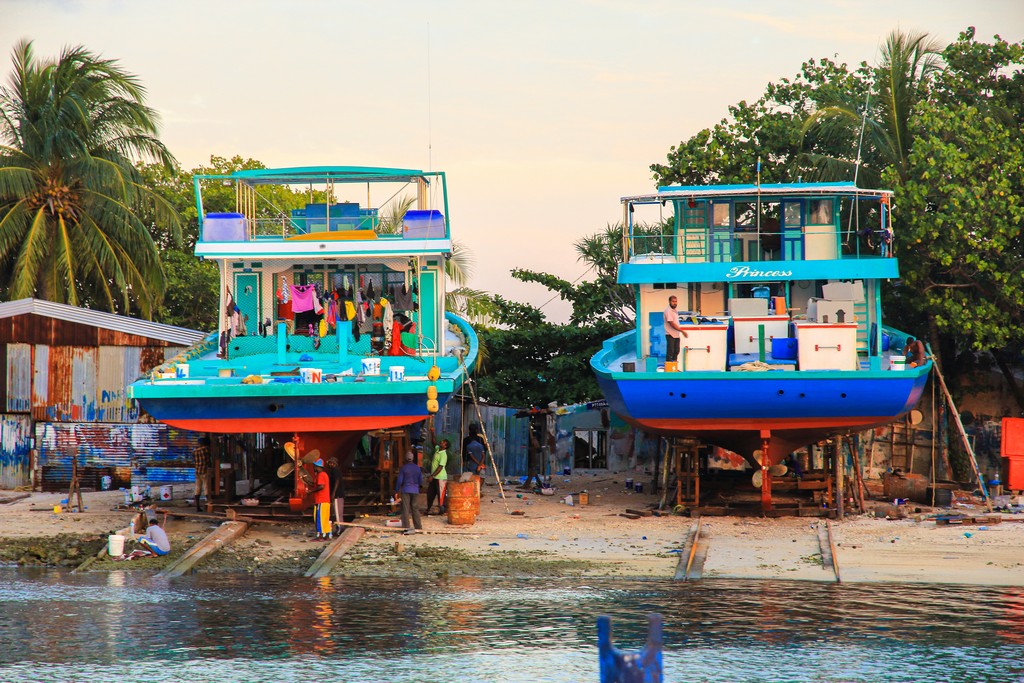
820 212
721 214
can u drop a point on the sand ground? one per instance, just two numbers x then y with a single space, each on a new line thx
590 540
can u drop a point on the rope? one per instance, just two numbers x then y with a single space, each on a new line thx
483 429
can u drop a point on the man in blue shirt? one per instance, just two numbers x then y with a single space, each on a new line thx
407 490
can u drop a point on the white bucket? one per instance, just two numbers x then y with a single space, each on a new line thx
166 492
371 366
105 482
397 373
897 362
181 371
115 545
311 375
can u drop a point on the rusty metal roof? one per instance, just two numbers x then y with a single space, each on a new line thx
110 321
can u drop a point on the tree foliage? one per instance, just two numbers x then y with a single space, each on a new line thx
960 207
71 199
770 130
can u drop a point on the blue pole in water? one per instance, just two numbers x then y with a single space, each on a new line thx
639 666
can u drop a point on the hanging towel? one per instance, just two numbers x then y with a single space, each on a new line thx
302 298
403 298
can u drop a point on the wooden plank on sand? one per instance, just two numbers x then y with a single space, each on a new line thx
223 535
334 551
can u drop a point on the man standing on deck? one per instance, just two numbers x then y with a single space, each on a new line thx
201 460
672 331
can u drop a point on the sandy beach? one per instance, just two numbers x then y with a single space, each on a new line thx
556 539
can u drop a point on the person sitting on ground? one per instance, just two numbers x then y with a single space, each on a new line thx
915 353
155 540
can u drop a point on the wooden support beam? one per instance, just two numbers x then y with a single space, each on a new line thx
334 552
223 535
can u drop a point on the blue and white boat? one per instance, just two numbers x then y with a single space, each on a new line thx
779 290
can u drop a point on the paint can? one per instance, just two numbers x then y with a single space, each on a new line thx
115 545
629 484
397 373
181 371
166 492
105 482
371 366
311 375
638 487
897 362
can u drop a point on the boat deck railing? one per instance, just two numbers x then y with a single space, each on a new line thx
756 246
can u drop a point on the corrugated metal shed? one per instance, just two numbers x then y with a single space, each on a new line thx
17 396
132 454
506 434
34 321
15 450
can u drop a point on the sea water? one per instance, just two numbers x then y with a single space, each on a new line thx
129 626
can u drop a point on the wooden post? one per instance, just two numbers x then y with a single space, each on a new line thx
766 477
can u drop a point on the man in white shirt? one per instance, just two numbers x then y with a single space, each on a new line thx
673 330
155 540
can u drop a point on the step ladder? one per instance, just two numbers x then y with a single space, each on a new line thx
860 309
902 434
694 235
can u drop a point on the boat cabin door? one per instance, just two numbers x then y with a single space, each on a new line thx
792 230
247 298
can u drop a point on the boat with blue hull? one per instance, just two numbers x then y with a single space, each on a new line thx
778 291
333 316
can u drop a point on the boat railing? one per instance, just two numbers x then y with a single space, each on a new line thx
749 244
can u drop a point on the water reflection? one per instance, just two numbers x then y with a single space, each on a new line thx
126 626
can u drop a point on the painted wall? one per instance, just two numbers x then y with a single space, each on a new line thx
506 434
15 449
132 454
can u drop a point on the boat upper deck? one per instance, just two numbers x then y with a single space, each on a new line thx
776 232
322 212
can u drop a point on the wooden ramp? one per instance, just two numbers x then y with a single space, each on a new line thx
223 535
691 561
334 551
829 561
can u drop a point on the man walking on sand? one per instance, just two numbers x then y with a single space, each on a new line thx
201 460
407 490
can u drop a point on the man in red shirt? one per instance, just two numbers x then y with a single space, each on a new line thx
321 502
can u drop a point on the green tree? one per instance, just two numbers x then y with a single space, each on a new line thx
960 206
70 196
769 130
902 81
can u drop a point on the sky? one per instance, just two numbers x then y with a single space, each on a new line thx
542 114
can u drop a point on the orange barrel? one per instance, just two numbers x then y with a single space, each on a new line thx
463 503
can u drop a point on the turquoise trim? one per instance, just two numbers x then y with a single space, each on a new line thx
759 271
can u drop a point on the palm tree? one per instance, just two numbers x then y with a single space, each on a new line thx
71 199
909 62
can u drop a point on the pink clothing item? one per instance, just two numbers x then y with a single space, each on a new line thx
673 315
302 298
